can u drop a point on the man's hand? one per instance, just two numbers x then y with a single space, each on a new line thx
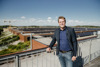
73 58
48 49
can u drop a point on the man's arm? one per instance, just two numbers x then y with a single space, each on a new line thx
74 41
53 40
52 43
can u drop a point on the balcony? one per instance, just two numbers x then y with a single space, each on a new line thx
88 50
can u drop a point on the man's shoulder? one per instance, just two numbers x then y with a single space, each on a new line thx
70 28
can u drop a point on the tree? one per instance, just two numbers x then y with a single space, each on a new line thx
1 30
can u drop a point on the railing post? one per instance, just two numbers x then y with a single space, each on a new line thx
95 33
31 41
17 61
90 51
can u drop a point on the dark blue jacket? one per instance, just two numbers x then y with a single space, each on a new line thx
71 38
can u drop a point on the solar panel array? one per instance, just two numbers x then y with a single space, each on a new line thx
51 30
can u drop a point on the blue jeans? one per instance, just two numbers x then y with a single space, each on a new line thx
65 59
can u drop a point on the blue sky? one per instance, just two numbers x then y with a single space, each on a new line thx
46 12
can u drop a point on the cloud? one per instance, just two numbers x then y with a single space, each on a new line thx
23 17
32 20
96 23
71 22
74 22
49 18
48 21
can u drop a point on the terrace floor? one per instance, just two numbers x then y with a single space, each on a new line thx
94 63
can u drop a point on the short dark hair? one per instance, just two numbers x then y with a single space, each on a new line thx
61 17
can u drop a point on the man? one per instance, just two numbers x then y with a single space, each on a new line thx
66 48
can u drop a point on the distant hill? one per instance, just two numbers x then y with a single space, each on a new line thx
87 26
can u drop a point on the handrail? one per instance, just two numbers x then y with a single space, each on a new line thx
20 53
86 31
28 52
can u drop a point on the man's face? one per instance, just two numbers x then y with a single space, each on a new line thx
62 23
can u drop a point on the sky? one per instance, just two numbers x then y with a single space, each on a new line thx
46 12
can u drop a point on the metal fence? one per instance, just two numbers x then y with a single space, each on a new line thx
87 49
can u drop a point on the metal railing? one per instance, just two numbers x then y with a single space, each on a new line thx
40 58
34 56
89 49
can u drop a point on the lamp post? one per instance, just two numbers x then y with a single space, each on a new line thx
31 41
9 21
